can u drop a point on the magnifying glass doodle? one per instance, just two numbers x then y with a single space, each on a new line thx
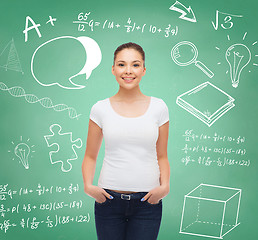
186 53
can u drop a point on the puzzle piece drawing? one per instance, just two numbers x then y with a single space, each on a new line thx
62 154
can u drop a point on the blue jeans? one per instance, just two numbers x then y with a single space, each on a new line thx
127 218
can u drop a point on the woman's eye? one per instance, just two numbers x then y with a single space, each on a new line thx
136 65
120 64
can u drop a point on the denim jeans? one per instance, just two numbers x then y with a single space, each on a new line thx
124 219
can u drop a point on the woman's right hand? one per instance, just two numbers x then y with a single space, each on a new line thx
98 193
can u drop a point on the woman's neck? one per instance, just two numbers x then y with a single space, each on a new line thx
129 95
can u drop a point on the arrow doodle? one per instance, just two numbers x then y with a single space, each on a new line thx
45 102
187 13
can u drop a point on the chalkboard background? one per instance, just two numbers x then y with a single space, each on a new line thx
40 199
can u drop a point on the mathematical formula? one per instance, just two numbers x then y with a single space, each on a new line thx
10 210
220 150
220 162
33 223
40 190
228 150
84 22
189 135
50 206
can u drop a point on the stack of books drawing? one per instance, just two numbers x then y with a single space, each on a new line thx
206 102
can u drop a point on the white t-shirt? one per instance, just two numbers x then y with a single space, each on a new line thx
130 162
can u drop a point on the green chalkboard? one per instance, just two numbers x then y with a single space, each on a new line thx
55 63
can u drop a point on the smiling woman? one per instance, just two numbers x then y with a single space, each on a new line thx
135 172
128 66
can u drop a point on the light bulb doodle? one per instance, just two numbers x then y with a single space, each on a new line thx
238 56
185 53
22 151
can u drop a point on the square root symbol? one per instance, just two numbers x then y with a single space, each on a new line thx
210 211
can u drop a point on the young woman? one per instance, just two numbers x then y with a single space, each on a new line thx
135 172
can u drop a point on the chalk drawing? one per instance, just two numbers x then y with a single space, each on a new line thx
238 56
84 21
210 211
199 101
51 21
93 54
186 13
10 56
23 152
45 102
185 53
227 21
67 152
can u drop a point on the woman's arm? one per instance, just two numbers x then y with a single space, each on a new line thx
160 192
162 156
93 145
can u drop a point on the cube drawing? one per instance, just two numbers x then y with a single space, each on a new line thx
210 211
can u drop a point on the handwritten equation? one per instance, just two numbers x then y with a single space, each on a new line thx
5 191
214 150
28 205
83 21
189 135
33 223
220 150
220 162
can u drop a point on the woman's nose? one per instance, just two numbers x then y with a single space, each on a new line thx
128 69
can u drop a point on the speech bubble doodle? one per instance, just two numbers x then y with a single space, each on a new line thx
60 59
93 55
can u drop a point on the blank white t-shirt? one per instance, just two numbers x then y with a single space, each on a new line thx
130 162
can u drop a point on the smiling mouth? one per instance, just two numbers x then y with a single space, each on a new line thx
128 79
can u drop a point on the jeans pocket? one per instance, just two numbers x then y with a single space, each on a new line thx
155 204
101 204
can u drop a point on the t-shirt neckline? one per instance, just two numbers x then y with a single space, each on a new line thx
109 103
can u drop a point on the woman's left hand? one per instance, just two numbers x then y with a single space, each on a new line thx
154 196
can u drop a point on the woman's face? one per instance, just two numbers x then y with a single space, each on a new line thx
128 68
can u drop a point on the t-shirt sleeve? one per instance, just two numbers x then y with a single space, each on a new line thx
95 114
164 114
